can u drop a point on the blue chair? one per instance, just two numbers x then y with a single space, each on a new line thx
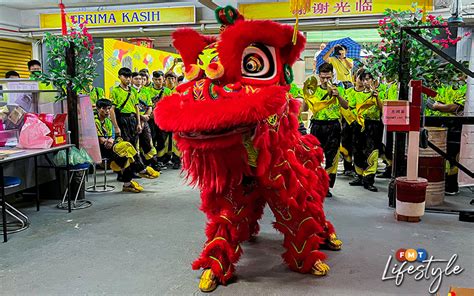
20 221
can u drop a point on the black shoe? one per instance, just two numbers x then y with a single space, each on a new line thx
135 176
356 182
156 167
176 166
162 166
385 175
349 173
329 194
371 188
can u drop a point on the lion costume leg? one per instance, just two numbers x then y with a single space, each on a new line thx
301 239
232 219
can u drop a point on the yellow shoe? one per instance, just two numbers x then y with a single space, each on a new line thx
320 268
132 188
137 186
150 173
208 282
333 243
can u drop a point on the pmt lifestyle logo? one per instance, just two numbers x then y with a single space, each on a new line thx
417 263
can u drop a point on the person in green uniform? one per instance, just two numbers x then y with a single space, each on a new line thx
367 132
171 81
145 106
325 102
34 66
95 94
158 89
450 102
121 154
127 114
387 92
163 140
297 94
347 125
146 75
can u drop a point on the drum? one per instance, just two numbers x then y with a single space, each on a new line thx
431 166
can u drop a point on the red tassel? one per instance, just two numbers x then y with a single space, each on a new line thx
63 18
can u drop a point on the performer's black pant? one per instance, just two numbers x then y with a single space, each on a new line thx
328 133
366 153
128 127
453 148
302 129
347 144
146 145
127 172
163 142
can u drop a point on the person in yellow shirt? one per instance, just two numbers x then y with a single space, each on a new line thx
325 102
367 133
342 64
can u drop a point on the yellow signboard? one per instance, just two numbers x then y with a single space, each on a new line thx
130 17
319 8
118 54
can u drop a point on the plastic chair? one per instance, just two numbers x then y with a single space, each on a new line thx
20 221
96 188
81 204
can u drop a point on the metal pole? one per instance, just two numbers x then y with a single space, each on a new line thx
399 161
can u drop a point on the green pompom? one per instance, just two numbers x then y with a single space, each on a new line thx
288 72
226 15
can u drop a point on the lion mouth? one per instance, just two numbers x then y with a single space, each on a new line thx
218 133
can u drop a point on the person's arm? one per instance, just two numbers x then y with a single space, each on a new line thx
448 108
112 114
342 102
328 54
348 62
149 111
114 121
137 113
377 99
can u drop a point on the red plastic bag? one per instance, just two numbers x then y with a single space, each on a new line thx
34 133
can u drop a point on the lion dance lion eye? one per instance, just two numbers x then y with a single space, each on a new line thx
259 62
253 64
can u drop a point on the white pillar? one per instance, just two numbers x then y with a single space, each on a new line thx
466 155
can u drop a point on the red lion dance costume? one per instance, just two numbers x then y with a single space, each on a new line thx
237 128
